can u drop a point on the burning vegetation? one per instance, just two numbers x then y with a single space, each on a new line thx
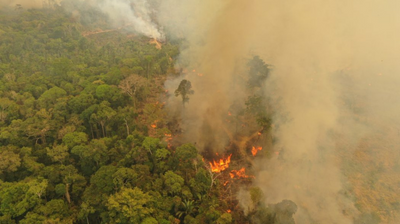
239 173
230 135
254 150
221 165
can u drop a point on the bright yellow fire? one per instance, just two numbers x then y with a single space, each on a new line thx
221 165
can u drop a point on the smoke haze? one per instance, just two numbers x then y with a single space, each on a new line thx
23 3
333 85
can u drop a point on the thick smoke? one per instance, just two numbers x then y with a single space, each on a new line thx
134 14
334 84
212 57
131 12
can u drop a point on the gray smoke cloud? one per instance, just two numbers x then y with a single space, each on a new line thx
333 90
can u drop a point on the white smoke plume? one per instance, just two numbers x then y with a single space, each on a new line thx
133 12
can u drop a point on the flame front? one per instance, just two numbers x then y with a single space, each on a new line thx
223 164
168 139
254 150
154 124
239 173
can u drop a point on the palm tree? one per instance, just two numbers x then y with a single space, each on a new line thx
188 208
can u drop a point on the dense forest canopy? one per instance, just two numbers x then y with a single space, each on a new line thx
84 138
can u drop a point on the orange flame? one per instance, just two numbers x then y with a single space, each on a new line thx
229 113
228 211
226 182
168 137
239 173
254 150
217 167
154 125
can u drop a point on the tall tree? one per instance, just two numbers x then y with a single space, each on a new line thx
184 90
259 72
131 86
